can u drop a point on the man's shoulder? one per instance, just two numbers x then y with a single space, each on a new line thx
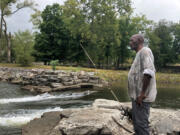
146 50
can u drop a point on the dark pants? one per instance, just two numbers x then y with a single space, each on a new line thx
140 116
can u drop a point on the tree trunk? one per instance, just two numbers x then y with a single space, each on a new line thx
118 61
9 48
1 24
6 36
107 62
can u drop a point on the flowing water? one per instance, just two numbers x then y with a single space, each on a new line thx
17 107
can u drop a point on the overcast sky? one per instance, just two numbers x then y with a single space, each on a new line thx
153 9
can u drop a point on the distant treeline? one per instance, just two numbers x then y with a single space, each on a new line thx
102 27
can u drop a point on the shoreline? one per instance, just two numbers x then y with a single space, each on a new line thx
107 75
45 80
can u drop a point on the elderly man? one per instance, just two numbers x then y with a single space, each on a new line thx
141 84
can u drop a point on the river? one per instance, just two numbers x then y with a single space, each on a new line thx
17 107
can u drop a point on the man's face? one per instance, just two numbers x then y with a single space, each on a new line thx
133 43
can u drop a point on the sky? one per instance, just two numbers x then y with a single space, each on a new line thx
153 9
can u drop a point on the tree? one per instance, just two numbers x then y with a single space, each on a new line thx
176 42
124 22
52 43
36 18
5 11
75 21
103 28
23 47
160 40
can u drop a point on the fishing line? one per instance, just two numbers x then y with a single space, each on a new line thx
112 92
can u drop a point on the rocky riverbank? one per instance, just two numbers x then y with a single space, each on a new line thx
104 117
43 80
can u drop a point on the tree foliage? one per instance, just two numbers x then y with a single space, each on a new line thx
23 43
164 42
103 28
53 40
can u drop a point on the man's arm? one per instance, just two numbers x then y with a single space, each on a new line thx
146 81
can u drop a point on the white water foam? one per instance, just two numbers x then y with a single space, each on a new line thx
45 96
15 120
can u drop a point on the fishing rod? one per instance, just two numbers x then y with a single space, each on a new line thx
126 111
112 92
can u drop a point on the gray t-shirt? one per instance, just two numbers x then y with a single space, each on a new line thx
142 64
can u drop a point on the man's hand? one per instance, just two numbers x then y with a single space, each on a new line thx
140 99
146 81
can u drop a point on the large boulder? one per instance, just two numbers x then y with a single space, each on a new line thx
95 120
104 117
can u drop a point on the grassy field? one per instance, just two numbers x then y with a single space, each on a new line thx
109 75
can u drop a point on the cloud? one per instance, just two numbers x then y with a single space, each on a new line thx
158 9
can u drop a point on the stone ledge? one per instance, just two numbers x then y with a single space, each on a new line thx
42 80
104 117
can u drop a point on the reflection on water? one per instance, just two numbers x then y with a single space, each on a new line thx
167 96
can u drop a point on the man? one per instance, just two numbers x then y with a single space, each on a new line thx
141 84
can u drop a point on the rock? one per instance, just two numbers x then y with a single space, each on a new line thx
28 78
63 88
39 89
68 83
42 89
104 117
91 73
44 76
84 121
94 78
165 121
56 85
44 79
85 80
91 121
53 79
98 85
42 126
65 78
16 81
29 88
50 72
25 83
94 81
82 73
77 81
18 75
85 77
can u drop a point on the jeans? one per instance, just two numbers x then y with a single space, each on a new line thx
140 116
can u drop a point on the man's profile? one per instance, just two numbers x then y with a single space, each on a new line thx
141 84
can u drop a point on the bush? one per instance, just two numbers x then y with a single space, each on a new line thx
54 63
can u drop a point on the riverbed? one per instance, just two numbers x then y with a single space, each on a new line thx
17 107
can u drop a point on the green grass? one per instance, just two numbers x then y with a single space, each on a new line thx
108 75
